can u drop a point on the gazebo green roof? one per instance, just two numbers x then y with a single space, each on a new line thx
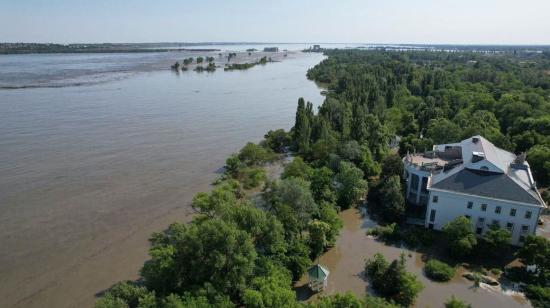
318 272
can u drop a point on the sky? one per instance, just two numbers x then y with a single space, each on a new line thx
293 21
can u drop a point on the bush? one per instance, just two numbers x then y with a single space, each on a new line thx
454 302
251 177
496 271
385 233
392 281
415 237
539 296
439 271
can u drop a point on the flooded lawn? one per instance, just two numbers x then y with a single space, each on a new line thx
346 263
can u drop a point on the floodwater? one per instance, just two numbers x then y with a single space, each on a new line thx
87 173
346 263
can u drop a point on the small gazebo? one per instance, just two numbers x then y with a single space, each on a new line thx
318 277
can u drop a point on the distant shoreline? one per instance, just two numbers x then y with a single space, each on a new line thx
44 48
33 48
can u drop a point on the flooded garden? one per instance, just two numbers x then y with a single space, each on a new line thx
346 262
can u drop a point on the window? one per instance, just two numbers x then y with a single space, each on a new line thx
470 204
484 207
479 230
424 187
435 199
510 226
468 216
512 212
432 215
524 229
521 238
495 223
498 209
528 215
481 220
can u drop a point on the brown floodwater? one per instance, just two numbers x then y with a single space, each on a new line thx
346 263
87 173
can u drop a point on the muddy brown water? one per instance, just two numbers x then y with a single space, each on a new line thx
87 173
346 265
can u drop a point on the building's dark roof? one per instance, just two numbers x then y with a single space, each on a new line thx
486 184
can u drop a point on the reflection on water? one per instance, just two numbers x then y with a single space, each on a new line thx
346 263
88 173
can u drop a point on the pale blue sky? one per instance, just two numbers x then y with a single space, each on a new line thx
330 21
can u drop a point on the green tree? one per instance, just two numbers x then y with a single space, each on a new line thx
210 252
277 140
392 201
346 300
351 185
126 294
252 154
297 168
393 281
442 130
329 215
539 160
321 185
317 241
460 237
271 290
367 163
302 127
536 251
497 239
292 202
392 165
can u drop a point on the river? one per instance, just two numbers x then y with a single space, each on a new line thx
97 151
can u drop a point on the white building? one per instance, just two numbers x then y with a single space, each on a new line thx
474 178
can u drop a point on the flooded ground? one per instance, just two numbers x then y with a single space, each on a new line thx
346 265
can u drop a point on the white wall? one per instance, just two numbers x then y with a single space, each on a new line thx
451 205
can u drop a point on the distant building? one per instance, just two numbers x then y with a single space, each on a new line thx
474 178
318 277
271 49
316 47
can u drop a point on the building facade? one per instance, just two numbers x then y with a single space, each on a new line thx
475 179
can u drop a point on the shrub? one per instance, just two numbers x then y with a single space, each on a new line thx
392 281
439 271
454 302
252 177
496 271
386 233
539 296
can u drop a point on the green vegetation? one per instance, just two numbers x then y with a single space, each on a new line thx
454 302
460 236
441 96
411 236
245 66
439 271
239 253
348 300
392 281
